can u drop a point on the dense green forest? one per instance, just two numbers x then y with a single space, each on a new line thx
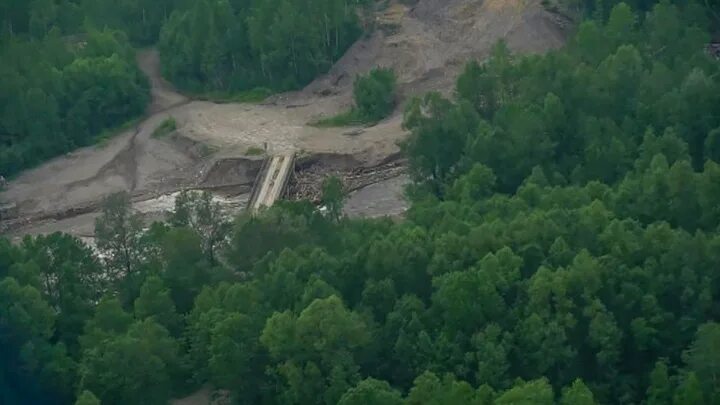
233 45
61 83
561 248
600 9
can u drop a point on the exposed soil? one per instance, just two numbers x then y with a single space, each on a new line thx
426 44
310 173
162 92
231 172
384 198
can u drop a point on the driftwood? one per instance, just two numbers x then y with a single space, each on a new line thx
307 184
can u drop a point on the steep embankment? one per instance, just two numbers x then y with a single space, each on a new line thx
427 44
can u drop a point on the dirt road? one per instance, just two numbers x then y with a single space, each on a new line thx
426 45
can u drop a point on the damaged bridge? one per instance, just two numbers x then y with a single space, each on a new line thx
272 181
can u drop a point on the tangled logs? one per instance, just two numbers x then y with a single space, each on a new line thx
307 184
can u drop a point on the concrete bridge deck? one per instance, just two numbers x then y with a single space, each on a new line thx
272 181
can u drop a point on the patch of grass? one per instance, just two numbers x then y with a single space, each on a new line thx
343 119
256 95
104 137
168 126
254 151
205 150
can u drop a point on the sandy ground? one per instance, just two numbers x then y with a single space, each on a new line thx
385 198
426 44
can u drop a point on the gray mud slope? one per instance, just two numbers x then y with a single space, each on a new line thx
428 43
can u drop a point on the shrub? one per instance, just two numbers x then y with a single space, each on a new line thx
374 94
341 120
254 151
166 128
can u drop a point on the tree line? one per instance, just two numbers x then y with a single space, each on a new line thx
600 9
231 46
61 83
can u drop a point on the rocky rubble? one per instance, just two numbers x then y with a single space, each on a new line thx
307 183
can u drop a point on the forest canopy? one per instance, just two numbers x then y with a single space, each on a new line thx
239 45
561 248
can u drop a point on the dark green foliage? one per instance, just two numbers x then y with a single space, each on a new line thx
333 196
537 392
232 46
34 367
118 232
314 356
429 389
660 390
140 19
703 358
374 94
185 267
579 114
602 9
202 215
689 392
371 391
56 96
132 366
440 132
577 394
167 127
154 301
87 398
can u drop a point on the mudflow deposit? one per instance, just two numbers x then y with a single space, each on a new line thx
426 44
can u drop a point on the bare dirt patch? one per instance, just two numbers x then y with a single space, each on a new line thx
384 198
434 38
163 93
232 172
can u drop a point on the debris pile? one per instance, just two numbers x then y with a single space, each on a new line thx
307 184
